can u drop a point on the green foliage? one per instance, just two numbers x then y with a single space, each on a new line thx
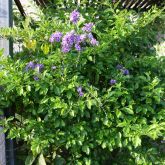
121 123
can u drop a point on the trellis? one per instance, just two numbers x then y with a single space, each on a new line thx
129 4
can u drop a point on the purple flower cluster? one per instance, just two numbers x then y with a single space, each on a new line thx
78 40
78 47
36 78
92 40
79 90
72 39
90 36
74 16
82 37
32 65
87 27
112 82
123 70
68 41
119 66
39 67
55 37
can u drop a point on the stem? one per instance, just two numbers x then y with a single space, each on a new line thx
62 64
100 105
78 59
51 47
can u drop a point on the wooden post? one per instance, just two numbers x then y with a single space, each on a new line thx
5 21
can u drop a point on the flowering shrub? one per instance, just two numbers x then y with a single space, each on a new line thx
84 94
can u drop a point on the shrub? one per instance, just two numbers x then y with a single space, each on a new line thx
97 101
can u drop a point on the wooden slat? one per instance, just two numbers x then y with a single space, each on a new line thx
129 2
142 3
145 4
137 4
154 2
132 4
41 2
126 3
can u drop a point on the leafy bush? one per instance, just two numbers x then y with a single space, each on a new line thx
101 104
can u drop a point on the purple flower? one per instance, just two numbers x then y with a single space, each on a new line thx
53 67
35 78
55 37
94 42
81 94
87 27
125 71
77 47
119 66
112 81
82 37
65 48
39 67
79 90
74 16
51 39
69 38
79 38
90 36
68 41
30 65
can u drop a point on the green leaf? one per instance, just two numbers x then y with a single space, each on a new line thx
87 161
59 160
104 145
89 104
118 113
137 141
86 149
41 160
72 113
129 111
90 58
69 94
30 159
54 155
21 91
28 88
